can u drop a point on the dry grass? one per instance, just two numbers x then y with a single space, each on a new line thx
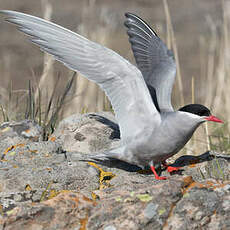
47 78
217 74
41 102
171 42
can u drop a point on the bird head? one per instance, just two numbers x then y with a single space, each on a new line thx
201 111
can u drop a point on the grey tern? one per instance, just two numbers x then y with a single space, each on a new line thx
151 131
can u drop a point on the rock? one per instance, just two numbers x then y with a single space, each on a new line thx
135 207
88 133
40 165
66 211
13 134
179 203
42 185
26 129
202 207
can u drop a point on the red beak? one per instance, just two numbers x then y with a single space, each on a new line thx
213 118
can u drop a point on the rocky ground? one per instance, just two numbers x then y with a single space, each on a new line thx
48 185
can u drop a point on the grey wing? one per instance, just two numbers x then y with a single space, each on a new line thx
153 58
122 82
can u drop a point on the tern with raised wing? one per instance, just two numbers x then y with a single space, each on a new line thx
151 131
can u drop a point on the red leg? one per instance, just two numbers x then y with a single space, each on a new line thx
156 175
170 168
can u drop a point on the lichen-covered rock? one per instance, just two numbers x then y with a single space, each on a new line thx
40 165
35 176
14 134
66 211
179 203
88 133
26 129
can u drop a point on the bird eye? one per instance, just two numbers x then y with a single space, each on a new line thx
204 113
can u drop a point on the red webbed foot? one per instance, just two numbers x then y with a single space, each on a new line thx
173 169
170 168
156 175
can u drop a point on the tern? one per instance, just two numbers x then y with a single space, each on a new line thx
151 131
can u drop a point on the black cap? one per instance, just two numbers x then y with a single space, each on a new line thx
197 109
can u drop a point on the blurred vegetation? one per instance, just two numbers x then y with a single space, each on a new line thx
30 106
220 139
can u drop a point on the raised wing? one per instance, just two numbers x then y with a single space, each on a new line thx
121 81
154 60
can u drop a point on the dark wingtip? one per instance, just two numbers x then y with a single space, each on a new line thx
127 14
133 18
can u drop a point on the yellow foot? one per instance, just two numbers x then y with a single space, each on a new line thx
104 177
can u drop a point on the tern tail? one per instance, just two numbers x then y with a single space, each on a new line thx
113 154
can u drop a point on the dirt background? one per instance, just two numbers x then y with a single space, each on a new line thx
102 21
